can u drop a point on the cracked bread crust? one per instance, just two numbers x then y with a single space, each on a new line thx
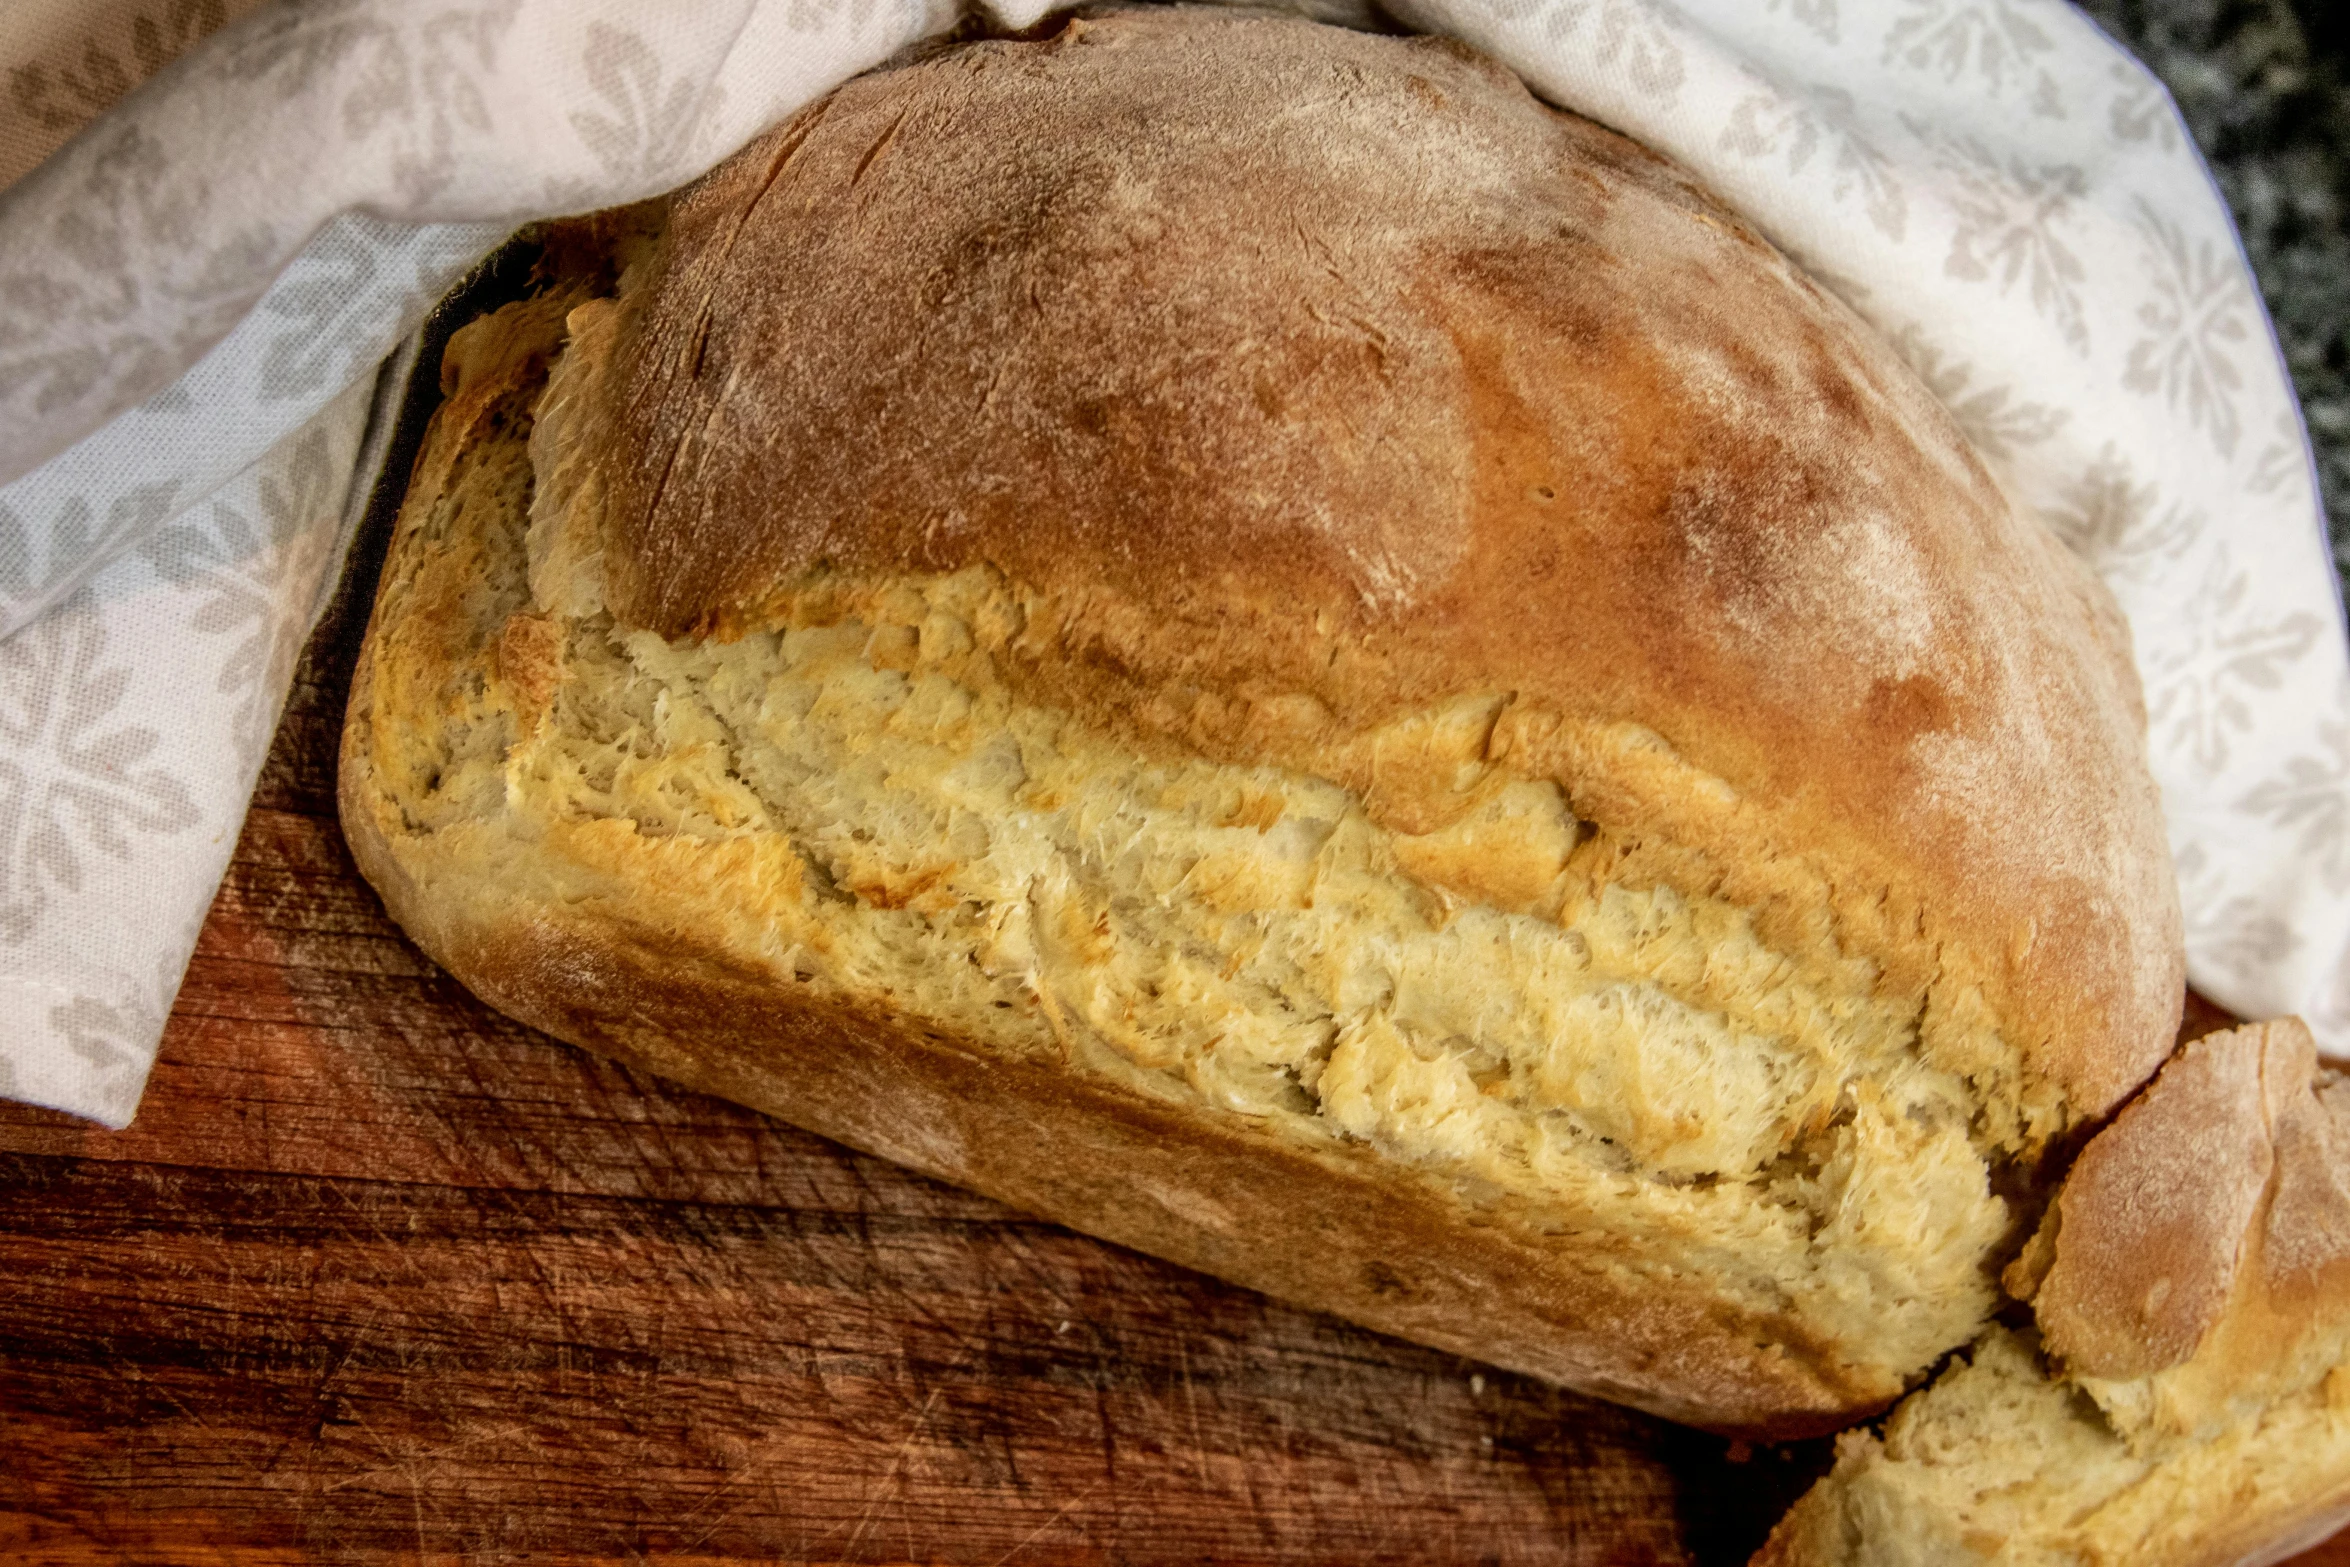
2198 1256
709 955
2184 1400
2002 1462
1413 387
1373 861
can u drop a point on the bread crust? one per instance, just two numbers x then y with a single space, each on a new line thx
2186 1399
1282 415
607 967
1735 587
1237 1202
2199 1253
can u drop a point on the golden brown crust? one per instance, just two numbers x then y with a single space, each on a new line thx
1994 1467
1268 360
2186 1400
2200 1248
607 966
1335 1228
2149 1228
1416 522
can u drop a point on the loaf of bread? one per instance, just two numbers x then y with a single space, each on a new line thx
2184 1400
1241 636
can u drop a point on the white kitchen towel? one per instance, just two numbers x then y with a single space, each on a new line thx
133 720
65 62
191 290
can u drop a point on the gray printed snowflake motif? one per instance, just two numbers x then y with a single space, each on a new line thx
2310 798
117 1033
2230 935
74 779
650 127
2120 527
80 327
108 1038
336 298
2199 311
411 82
2011 213
1818 15
244 568
76 92
289 50
1994 419
2222 646
1769 121
819 16
431 94
1996 41
1635 36
43 563
2142 110
2285 457
331 280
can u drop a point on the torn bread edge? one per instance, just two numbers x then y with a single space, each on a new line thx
2181 1397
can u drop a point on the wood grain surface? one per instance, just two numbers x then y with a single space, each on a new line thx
379 1275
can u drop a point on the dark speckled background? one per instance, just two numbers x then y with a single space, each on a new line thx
2261 83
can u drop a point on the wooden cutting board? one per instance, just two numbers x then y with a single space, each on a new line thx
379 1275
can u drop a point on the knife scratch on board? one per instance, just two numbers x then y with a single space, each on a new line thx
897 1461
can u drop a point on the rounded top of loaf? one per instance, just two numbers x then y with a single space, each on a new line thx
1292 378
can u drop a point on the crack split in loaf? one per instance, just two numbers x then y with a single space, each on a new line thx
2182 1398
1240 635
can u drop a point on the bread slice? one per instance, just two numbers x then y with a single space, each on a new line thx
1241 636
2185 1400
2003 1461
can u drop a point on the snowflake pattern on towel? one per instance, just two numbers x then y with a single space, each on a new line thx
76 73
1992 46
2141 110
2014 225
66 93
132 722
1818 123
78 780
1819 16
1999 422
2121 525
2235 933
2198 315
110 1033
2231 648
2309 798
244 565
640 124
1638 38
